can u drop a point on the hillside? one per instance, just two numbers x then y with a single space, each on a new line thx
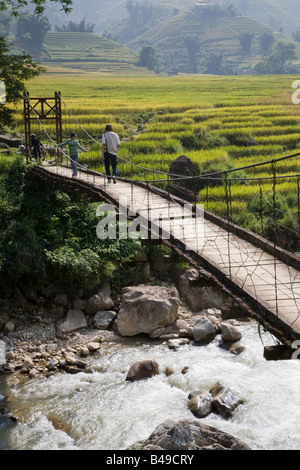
215 29
276 14
104 13
88 52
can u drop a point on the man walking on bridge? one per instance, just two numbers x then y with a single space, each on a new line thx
110 148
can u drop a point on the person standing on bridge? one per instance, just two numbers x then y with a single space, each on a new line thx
110 147
74 145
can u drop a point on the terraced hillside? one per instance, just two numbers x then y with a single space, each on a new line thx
275 13
215 32
88 52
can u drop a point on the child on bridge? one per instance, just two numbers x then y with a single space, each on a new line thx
73 151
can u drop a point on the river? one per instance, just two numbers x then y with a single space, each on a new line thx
102 411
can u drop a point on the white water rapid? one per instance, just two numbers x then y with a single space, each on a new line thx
103 411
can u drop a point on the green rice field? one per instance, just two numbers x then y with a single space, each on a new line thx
220 123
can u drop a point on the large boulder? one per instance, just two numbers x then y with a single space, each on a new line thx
204 331
229 333
143 369
201 404
197 292
100 301
9 140
225 401
75 320
145 308
104 319
187 435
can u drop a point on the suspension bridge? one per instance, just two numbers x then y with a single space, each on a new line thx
261 275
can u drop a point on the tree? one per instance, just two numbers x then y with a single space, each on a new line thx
246 40
193 45
266 42
214 62
14 6
76 27
276 62
296 35
16 69
150 57
31 31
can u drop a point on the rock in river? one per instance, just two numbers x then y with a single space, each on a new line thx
145 308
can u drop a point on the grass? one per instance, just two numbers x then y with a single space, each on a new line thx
209 119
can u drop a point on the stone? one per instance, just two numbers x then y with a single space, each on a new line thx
74 321
9 327
78 304
4 318
47 291
27 363
10 141
30 292
53 364
56 313
99 301
72 369
197 293
204 331
70 359
176 343
84 351
146 308
182 165
143 369
225 401
169 371
51 348
19 300
236 349
187 435
33 373
104 319
93 346
164 264
61 299
201 404
229 333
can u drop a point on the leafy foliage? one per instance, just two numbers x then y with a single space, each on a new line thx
15 69
31 31
51 236
16 5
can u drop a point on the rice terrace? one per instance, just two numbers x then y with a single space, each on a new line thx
220 123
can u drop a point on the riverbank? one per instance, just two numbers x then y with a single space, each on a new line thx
46 367
52 332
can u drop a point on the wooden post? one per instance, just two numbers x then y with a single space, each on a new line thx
42 109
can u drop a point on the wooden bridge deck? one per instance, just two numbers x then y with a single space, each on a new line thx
268 284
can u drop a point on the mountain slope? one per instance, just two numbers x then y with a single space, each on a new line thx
216 32
276 14
89 52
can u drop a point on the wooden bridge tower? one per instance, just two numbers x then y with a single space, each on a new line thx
47 109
